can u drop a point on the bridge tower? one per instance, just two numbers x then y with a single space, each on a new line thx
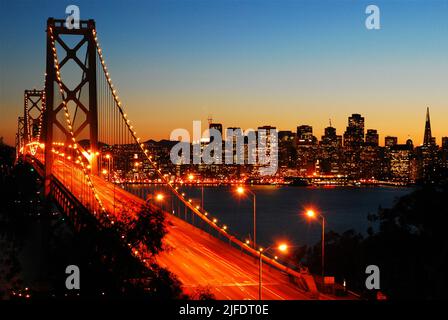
20 136
82 55
34 104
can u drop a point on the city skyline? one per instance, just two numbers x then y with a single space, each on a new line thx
340 132
238 61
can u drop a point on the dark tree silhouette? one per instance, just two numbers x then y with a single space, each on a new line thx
410 248
203 293
148 229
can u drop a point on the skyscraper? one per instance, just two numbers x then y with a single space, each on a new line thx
444 149
445 143
330 138
400 162
235 139
427 153
267 138
216 126
372 138
354 134
427 138
305 135
390 141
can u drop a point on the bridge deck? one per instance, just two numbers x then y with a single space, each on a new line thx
197 258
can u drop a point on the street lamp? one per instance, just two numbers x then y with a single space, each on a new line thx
191 178
282 248
311 214
240 190
202 193
108 157
159 198
109 171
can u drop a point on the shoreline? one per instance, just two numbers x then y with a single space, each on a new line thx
312 185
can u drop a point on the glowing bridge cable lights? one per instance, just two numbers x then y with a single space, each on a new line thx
67 114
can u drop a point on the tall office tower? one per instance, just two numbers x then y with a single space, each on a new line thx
286 136
444 143
354 135
330 138
444 149
427 137
286 149
216 126
268 145
305 135
390 141
372 137
400 162
329 135
268 130
427 153
219 156
234 148
329 152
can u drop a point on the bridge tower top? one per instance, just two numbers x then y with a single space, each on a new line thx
70 84
34 106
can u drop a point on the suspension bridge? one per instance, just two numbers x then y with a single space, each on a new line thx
76 134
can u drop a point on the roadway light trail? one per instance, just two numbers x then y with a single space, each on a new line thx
196 257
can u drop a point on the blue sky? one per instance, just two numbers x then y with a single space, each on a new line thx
249 62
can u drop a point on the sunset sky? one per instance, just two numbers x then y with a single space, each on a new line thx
249 63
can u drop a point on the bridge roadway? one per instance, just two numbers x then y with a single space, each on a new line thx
194 256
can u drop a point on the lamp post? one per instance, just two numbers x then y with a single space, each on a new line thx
202 194
312 215
283 248
109 159
240 190
191 178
